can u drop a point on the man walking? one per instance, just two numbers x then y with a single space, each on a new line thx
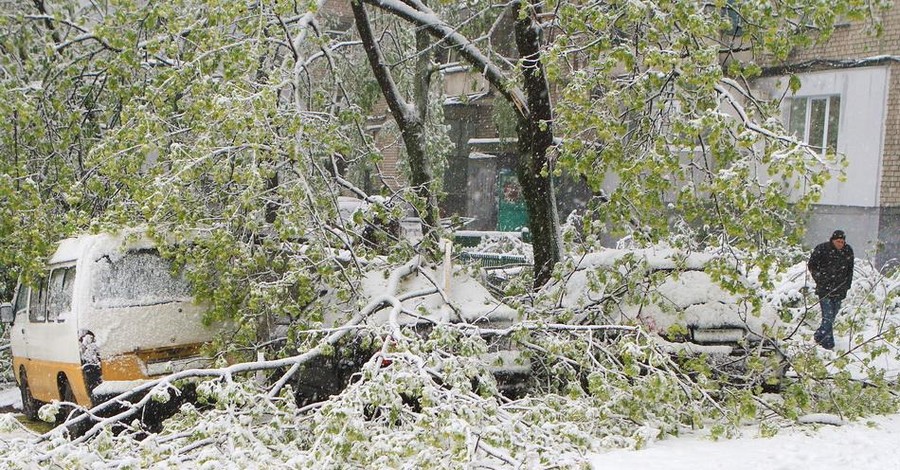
831 266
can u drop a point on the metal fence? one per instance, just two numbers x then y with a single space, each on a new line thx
492 260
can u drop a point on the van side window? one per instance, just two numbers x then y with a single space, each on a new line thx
59 301
38 310
22 299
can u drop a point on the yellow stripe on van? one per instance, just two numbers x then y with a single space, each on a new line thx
132 366
123 367
43 376
43 379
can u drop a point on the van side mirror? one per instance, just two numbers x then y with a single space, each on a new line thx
6 313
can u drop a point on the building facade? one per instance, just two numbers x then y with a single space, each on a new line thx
849 100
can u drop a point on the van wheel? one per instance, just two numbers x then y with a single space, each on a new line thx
30 406
67 395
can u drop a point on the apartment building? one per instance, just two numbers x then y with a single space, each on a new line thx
849 100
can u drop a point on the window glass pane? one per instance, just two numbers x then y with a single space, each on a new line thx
817 122
22 298
54 300
60 299
137 278
834 119
735 18
797 118
38 310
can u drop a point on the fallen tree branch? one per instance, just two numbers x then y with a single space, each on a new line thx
293 363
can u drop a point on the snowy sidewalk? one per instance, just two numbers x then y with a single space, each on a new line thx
853 446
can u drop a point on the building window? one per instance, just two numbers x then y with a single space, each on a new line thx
815 120
734 16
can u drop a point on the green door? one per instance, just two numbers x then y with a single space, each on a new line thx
512 215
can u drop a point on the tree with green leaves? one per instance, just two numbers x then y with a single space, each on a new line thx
231 128
411 118
228 130
661 95
529 94
652 104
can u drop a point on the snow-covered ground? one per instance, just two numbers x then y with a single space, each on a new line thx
10 397
866 445
869 445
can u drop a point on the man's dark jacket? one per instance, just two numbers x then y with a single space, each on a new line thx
832 270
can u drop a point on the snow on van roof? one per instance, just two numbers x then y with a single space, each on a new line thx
71 249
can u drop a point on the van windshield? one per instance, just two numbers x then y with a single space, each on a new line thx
136 278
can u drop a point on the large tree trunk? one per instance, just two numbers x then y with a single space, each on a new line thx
535 138
410 119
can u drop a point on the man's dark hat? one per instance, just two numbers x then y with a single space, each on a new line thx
838 234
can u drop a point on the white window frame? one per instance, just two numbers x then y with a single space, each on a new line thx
827 132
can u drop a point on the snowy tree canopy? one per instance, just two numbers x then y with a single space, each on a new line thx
230 131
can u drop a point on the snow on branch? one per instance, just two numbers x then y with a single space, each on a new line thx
149 389
402 111
85 36
753 126
305 21
424 17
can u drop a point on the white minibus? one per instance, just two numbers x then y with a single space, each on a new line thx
107 313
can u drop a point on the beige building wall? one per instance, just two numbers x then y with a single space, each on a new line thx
855 41
890 173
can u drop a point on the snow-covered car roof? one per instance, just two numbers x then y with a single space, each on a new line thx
686 296
470 302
